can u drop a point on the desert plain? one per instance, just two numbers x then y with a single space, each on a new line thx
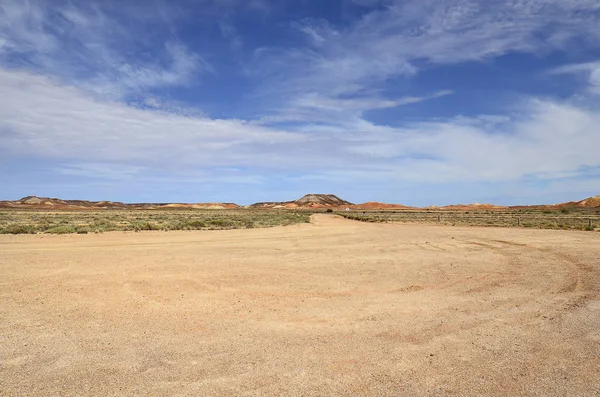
332 307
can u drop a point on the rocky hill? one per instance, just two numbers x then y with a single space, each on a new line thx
308 201
322 199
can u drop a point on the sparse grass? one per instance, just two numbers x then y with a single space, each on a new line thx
98 221
571 219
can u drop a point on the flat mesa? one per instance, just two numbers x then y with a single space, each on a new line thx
334 307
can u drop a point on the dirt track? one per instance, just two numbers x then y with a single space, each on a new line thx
332 308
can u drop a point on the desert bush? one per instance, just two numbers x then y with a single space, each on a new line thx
16 228
63 229
220 222
146 226
195 224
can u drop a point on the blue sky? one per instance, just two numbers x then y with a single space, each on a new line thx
415 102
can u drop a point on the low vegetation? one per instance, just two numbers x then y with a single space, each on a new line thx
82 222
98 221
566 219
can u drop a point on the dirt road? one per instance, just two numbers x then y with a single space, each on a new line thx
336 307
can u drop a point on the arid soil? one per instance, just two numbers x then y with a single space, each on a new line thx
336 307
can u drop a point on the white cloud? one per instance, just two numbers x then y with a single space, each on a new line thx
82 60
22 28
44 119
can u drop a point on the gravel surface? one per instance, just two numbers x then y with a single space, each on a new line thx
335 307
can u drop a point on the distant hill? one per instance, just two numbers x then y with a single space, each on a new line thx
374 205
34 202
474 206
590 202
309 201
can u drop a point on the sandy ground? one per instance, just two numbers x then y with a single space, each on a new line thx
336 307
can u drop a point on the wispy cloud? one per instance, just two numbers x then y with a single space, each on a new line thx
590 70
230 33
315 107
109 171
315 101
403 38
98 47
